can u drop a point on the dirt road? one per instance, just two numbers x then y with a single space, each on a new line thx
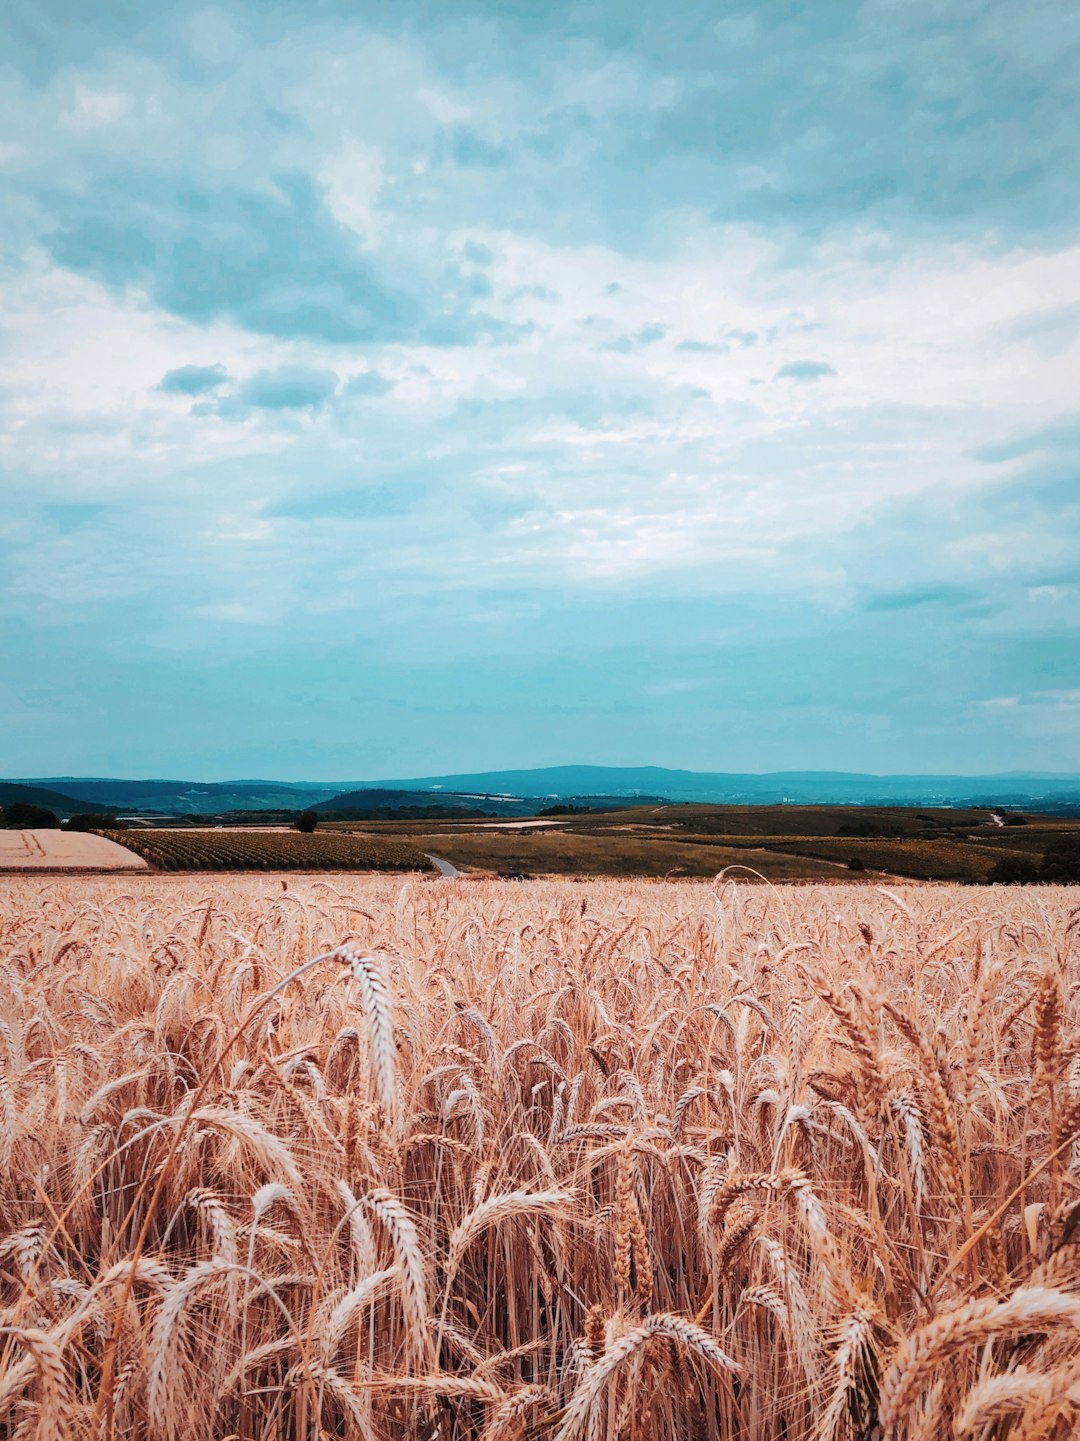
444 868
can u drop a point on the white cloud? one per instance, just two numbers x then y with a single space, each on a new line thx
93 108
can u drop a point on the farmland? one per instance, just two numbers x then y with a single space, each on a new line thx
235 850
777 842
55 850
377 1158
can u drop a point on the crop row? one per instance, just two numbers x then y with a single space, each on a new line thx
268 850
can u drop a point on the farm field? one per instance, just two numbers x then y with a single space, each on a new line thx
778 842
272 850
379 1158
54 850
608 853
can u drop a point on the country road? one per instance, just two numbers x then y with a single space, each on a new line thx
445 868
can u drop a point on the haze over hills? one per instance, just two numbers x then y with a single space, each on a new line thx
771 788
523 791
170 797
33 794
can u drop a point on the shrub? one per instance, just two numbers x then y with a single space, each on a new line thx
306 821
93 822
1015 820
1061 863
21 816
1013 871
856 864
872 829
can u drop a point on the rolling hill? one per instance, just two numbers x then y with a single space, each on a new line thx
775 788
525 792
12 793
182 797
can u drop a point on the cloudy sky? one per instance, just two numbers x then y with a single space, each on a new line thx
392 388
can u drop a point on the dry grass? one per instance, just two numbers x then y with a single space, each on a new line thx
537 1160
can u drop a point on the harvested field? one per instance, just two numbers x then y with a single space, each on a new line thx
552 1160
54 850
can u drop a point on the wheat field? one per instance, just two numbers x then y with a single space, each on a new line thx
373 1159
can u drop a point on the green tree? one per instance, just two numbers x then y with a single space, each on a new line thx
21 816
1013 871
306 821
1061 863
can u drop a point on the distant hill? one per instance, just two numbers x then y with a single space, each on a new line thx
376 802
775 788
370 799
524 792
11 793
189 797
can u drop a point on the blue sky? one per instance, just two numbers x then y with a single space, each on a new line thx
398 388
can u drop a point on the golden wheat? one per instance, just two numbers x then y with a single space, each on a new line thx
488 1162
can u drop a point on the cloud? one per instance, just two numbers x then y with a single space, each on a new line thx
367 382
803 370
477 253
274 260
469 148
924 595
1060 437
1051 331
627 344
193 379
386 232
289 387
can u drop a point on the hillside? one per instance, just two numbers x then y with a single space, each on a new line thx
376 802
12 793
775 788
525 792
181 797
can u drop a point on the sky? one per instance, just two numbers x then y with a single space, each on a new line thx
400 388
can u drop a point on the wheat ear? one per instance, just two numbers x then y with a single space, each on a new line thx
684 1333
970 1324
369 975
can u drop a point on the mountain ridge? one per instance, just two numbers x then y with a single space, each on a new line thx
558 783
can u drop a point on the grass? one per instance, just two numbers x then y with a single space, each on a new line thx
489 1161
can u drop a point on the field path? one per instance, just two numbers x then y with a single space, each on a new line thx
49 850
444 868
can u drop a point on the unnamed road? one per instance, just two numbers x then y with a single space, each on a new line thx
444 868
